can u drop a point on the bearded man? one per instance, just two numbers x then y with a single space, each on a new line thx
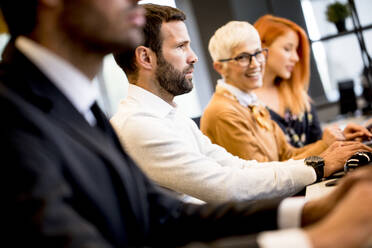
169 147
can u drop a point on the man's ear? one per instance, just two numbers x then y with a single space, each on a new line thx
145 57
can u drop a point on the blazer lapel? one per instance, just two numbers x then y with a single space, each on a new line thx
73 123
34 87
38 90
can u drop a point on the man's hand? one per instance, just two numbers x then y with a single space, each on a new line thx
317 209
337 154
349 224
356 132
332 134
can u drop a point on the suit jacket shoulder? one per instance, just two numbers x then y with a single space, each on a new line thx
66 183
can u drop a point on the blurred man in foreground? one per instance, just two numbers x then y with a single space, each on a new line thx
66 181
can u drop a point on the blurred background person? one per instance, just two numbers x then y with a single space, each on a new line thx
234 118
286 80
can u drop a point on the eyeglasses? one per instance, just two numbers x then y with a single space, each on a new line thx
245 59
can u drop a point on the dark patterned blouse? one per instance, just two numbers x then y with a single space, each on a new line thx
299 130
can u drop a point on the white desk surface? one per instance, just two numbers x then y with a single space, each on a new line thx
318 189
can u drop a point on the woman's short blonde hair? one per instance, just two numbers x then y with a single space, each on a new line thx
228 37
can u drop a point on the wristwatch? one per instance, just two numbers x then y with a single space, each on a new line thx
318 164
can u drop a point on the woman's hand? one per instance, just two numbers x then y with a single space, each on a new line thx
332 134
356 132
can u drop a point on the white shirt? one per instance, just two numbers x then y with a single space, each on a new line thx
245 99
70 81
170 148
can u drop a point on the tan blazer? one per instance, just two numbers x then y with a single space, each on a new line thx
229 124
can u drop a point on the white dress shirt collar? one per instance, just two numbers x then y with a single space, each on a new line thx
70 81
150 101
245 99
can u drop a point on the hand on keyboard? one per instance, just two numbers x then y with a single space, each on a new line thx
358 159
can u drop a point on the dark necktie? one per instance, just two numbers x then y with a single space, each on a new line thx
100 118
103 124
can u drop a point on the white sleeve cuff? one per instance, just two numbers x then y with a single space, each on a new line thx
290 238
290 212
300 168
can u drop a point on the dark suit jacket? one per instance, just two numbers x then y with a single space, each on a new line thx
67 184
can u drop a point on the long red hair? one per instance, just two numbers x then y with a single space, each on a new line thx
293 91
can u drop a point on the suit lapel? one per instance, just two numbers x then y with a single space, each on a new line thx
34 87
73 123
38 90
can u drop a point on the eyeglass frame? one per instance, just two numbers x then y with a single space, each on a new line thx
249 55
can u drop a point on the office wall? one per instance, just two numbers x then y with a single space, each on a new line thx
209 16
203 87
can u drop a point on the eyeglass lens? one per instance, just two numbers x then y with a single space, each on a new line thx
246 59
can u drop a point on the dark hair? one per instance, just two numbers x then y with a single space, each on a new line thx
155 15
20 16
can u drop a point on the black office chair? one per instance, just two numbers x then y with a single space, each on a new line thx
348 102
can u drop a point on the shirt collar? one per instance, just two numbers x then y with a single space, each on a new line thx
152 102
71 82
245 99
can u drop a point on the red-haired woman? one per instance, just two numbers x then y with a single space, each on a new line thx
286 79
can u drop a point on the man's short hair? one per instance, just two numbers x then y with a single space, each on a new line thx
20 16
228 37
155 15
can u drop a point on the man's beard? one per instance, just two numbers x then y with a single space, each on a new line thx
171 79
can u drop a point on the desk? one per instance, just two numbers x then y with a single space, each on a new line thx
318 189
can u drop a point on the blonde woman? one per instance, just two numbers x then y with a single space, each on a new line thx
234 117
